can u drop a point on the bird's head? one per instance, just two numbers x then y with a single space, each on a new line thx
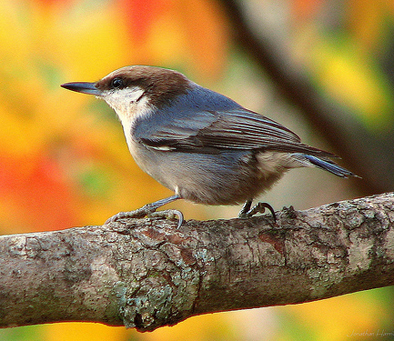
133 90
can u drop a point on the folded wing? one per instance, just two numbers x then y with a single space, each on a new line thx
215 131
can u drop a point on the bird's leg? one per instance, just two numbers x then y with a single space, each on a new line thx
247 212
149 210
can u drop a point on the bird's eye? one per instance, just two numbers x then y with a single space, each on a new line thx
117 83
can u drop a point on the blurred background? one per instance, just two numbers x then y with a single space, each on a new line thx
323 68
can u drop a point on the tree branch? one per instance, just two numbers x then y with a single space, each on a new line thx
148 274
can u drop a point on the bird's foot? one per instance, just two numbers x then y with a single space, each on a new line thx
260 207
147 211
138 213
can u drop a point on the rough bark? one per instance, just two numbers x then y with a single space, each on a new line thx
147 273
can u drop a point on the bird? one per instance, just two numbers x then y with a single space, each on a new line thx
202 145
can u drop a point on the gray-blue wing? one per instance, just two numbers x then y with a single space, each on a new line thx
215 131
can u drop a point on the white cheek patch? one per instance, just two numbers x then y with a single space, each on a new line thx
128 102
124 97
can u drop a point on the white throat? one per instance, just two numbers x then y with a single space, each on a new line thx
128 103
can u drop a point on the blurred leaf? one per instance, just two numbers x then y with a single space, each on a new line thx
305 9
28 333
349 76
334 319
83 332
205 327
34 194
177 32
365 21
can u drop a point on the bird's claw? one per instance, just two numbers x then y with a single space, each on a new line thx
147 211
258 208
168 214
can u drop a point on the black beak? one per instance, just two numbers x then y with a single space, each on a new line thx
83 87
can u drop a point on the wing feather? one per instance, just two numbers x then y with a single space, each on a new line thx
235 129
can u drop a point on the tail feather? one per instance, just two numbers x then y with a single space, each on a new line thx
329 166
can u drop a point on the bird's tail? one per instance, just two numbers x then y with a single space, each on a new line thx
329 166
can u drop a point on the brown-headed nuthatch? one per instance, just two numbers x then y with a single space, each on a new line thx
200 144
